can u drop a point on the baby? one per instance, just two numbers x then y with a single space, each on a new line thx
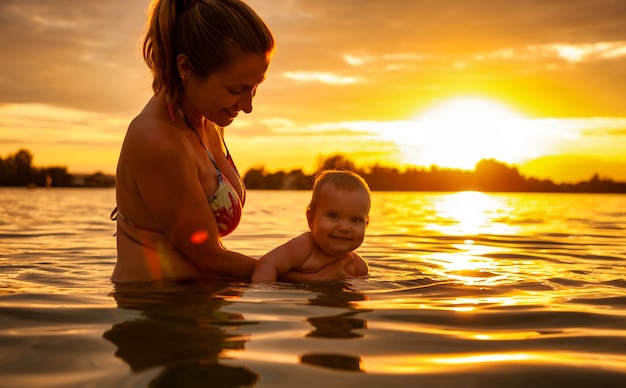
337 215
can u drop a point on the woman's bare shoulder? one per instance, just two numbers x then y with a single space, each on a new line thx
156 141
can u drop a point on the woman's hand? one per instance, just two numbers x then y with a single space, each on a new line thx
337 270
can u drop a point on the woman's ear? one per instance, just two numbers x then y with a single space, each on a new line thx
184 66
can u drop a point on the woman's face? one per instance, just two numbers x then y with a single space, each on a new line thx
220 96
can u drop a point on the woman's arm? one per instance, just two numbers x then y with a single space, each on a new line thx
337 270
168 179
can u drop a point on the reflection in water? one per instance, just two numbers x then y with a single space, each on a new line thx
335 294
180 328
471 213
333 361
338 326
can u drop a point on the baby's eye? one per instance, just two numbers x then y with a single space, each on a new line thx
358 220
334 216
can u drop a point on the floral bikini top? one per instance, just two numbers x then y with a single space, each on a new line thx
224 202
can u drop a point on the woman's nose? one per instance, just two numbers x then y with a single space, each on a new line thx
245 103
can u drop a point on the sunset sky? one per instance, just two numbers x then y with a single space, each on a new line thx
539 84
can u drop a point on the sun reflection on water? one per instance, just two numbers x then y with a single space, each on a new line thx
471 213
440 364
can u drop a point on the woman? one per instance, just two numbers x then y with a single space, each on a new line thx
178 190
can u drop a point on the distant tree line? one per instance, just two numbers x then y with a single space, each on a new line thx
17 170
489 176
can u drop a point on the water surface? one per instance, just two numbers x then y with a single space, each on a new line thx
466 290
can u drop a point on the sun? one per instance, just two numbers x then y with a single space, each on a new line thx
460 132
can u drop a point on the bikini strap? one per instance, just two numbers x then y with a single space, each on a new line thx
219 172
191 126
228 156
114 214
170 109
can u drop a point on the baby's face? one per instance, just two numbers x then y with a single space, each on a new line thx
339 220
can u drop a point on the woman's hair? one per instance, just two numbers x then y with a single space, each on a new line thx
341 179
211 33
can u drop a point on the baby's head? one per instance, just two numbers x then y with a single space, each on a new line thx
339 211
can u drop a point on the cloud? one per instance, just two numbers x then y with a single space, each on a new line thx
43 124
357 60
572 53
71 53
555 53
282 127
85 55
322 77
544 55
434 24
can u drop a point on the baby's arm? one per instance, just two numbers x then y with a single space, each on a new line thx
283 258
